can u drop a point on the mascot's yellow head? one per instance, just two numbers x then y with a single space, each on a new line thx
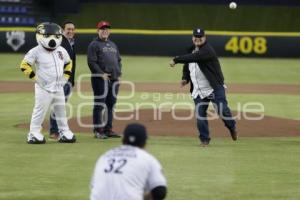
49 35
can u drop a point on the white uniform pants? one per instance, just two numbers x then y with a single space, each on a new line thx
43 100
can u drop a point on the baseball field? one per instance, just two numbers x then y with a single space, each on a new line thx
262 165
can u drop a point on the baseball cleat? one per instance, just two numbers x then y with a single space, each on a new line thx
36 138
233 134
100 134
110 133
66 137
204 143
54 136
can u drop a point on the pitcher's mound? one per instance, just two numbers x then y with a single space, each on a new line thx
183 123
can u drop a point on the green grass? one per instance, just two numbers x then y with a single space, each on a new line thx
156 69
251 169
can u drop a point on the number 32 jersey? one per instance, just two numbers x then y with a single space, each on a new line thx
125 173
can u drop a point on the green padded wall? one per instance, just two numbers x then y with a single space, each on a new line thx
187 16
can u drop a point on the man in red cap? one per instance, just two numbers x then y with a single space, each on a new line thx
104 62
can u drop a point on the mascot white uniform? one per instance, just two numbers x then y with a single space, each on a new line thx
52 69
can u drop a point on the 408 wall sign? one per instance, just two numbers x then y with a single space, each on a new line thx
258 45
247 45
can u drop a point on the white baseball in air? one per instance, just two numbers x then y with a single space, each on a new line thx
232 5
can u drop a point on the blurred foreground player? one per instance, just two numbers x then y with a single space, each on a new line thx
128 172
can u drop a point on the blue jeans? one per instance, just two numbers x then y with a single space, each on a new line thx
105 98
53 128
218 98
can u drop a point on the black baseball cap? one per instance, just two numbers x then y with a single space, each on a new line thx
135 134
198 32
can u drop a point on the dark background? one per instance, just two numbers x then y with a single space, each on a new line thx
213 15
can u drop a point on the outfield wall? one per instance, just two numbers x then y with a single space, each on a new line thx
169 43
186 16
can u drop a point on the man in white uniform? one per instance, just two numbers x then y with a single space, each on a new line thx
53 68
128 172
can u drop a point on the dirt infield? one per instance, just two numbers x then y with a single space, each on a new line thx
267 127
22 86
168 126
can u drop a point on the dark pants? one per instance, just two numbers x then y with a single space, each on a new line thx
53 125
218 98
105 98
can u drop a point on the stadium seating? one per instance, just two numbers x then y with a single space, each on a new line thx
18 13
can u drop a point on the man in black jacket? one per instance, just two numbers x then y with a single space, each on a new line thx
69 44
105 64
202 69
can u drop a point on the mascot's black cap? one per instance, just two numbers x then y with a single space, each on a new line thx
135 134
48 28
